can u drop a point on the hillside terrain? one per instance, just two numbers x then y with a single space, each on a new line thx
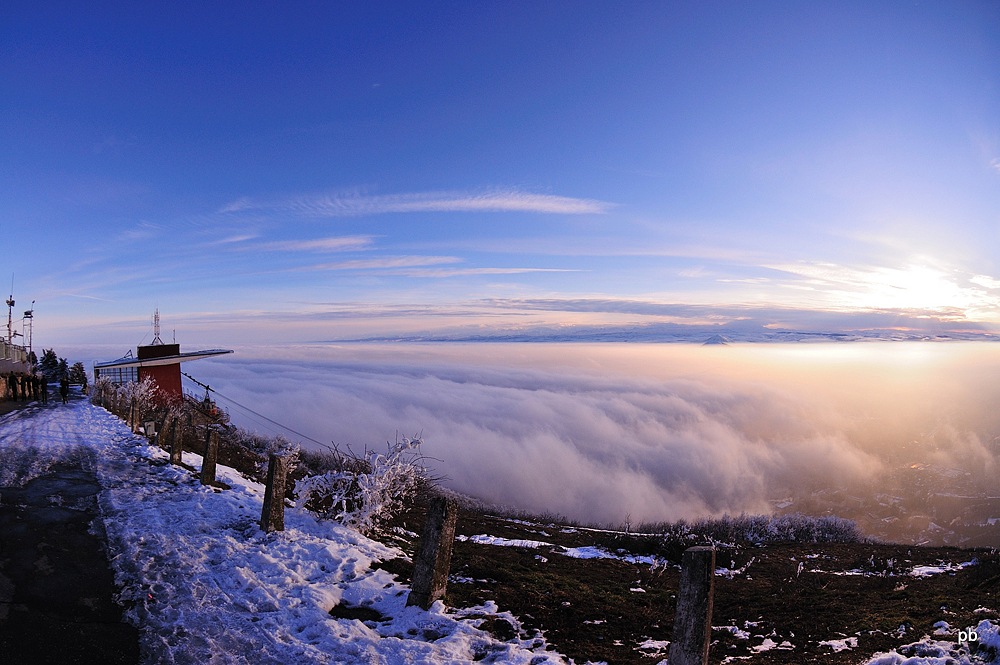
199 579
607 596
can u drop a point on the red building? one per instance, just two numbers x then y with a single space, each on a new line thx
160 362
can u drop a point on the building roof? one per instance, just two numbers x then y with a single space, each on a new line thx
129 361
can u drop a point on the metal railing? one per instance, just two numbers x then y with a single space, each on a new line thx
13 352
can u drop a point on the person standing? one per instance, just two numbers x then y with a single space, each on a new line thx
45 389
64 388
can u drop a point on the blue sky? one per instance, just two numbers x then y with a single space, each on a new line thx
313 171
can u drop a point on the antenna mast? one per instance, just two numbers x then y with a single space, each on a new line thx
156 328
10 311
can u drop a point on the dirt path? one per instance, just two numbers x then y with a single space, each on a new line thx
57 592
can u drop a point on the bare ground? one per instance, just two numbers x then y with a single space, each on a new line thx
786 601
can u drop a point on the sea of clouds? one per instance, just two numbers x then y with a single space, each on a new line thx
644 432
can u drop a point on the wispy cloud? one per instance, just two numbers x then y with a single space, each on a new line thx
142 231
464 272
236 239
657 317
386 262
86 297
239 205
354 204
333 244
986 281
919 285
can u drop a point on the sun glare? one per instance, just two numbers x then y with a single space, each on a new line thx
914 287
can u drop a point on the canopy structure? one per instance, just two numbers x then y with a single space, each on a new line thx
160 362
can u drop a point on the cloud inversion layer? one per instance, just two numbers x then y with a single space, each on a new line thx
604 432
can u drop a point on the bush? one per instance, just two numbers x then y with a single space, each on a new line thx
765 529
366 491
121 399
259 448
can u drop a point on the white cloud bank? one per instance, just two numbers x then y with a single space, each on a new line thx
650 432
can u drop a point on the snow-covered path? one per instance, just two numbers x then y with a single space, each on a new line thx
206 585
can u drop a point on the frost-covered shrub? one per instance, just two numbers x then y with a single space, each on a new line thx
366 491
265 446
120 399
103 392
248 451
782 528
731 534
142 395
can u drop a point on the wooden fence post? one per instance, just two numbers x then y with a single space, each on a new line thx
177 443
693 621
209 461
136 414
163 436
433 559
272 517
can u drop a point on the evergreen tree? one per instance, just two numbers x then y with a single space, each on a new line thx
49 364
77 374
63 368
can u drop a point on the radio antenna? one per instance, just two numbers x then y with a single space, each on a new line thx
10 312
156 328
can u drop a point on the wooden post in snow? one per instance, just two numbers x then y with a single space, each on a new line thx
136 417
163 436
433 559
693 621
209 461
272 517
177 443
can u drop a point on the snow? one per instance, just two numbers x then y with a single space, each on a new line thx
653 648
841 645
205 585
586 552
917 571
768 644
930 651
735 630
944 567
483 539
942 628
731 573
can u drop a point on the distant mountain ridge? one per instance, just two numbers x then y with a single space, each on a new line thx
642 334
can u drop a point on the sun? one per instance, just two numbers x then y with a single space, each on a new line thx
914 287
921 287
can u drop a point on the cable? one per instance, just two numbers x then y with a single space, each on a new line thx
259 415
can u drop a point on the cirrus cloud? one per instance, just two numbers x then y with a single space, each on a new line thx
355 204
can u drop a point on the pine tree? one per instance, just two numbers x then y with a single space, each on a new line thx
77 374
49 364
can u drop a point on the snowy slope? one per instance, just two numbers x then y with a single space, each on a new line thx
206 585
